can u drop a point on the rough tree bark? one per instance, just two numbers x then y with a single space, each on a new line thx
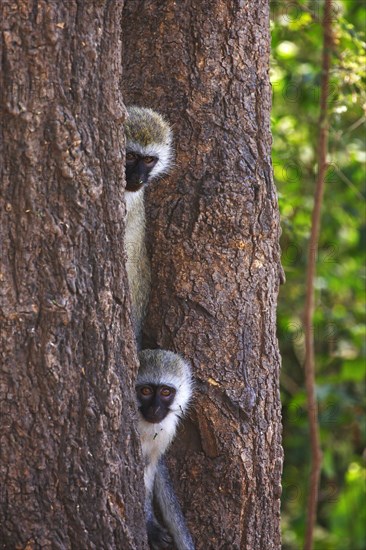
69 450
214 229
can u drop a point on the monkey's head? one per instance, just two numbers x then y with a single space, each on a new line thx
149 149
163 386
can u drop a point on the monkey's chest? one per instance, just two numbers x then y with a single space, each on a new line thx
154 441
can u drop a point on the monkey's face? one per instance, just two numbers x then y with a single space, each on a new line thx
155 401
138 169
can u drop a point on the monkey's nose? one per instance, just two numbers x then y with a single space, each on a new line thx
155 414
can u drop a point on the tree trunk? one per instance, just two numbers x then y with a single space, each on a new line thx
214 229
69 449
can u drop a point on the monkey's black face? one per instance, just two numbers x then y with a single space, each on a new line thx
138 170
155 401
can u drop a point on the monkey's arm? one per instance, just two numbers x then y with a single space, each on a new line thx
158 537
170 509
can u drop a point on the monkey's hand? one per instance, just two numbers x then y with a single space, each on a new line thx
159 538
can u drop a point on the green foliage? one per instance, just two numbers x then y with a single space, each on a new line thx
339 322
349 518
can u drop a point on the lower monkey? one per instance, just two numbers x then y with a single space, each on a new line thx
164 390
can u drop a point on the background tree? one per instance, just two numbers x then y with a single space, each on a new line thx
69 450
339 324
215 259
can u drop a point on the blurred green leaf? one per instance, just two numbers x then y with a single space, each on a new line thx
339 320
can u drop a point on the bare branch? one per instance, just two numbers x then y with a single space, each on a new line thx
316 454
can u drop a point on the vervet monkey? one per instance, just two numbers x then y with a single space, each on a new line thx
149 154
164 390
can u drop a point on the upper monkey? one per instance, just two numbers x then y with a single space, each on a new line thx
148 147
149 154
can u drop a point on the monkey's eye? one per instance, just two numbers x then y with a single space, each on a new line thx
149 160
165 391
131 157
146 391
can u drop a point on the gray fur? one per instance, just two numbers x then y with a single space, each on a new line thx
170 509
138 265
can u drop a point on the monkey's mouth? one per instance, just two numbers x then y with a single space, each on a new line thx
155 418
134 186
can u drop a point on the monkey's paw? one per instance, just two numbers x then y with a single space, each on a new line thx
159 538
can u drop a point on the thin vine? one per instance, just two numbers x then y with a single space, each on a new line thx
312 407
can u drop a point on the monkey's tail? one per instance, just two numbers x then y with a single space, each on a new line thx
170 509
